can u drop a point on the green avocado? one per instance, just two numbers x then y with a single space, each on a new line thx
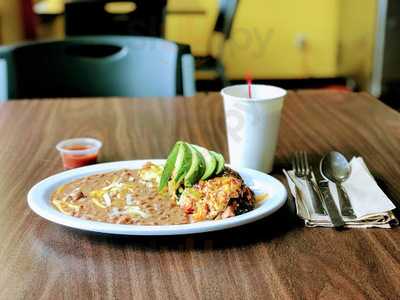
189 163
197 167
182 164
210 161
220 162
169 166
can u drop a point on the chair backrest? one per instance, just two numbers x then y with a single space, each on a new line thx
226 14
100 66
96 17
5 58
3 80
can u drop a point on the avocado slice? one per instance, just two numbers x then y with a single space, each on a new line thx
220 162
197 168
182 164
211 162
190 163
169 166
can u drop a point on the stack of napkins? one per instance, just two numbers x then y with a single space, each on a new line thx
370 204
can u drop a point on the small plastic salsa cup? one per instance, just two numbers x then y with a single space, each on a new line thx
78 152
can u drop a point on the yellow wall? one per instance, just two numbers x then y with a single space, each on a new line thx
10 22
356 38
192 29
287 38
265 34
273 39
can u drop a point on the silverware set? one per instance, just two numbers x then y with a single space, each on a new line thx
332 168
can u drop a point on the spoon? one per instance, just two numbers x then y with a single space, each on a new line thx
335 167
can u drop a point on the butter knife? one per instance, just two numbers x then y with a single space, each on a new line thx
326 198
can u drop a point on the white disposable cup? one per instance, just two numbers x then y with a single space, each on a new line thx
253 124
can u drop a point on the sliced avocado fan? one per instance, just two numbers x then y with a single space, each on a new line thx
197 168
211 162
220 162
182 164
189 163
169 166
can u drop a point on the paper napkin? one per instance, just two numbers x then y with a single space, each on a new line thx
370 204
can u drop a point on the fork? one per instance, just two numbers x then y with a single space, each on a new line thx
302 170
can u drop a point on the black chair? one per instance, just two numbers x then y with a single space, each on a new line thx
223 25
94 66
97 17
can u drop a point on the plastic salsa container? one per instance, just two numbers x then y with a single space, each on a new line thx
78 152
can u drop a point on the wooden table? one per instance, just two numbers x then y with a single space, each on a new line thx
273 258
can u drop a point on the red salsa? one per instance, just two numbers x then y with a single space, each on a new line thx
72 161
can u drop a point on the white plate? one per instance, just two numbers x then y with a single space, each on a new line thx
260 183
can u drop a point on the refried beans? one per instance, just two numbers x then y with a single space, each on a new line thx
121 197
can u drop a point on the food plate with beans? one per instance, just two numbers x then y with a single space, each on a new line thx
123 198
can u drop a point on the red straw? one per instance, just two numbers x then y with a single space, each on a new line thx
249 80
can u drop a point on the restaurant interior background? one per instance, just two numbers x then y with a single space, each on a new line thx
330 44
